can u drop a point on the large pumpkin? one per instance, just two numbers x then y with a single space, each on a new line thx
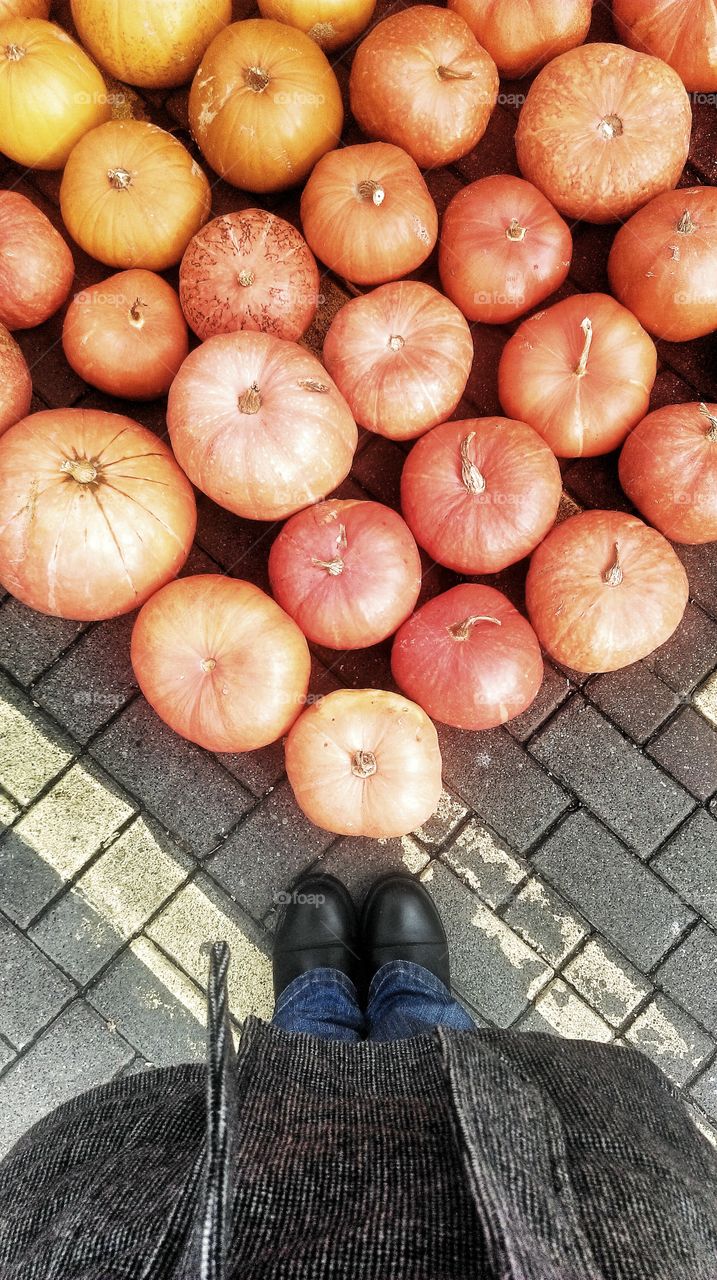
681 32
401 356
580 373
603 130
149 42
36 266
364 762
663 264
668 469
468 658
503 249
368 214
264 105
421 80
132 196
479 495
348 572
50 93
259 426
95 514
331 23
249 270
15 382
521 37
127 335
604 590
220 662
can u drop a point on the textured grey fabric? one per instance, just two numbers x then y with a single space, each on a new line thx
486 1154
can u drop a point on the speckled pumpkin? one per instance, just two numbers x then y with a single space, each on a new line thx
151 43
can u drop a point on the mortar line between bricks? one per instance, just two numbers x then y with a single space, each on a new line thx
705 1066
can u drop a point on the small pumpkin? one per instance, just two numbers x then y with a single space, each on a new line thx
331 23
15 382
681 32
521 38
148 42
668 469
36 266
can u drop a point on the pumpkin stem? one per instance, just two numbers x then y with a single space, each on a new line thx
610 127
514 231
322 32
685 225
14 52
246 278
208 664
363 764
587 328
250 400
135 315
473 479
614 575
313 384
395 342
712 429
336 566
256 79
462 630
370 190
120 179
449 73
81 470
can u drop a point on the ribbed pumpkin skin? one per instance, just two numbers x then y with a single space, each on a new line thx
331 23
522 35
668 469
681 32
149 43
15 382
36 266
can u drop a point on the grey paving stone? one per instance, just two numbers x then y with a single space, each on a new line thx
671 1039
504 786
691 653
154 1006
240 546
491 966
701 565
687 749
92 681
594 482
267 851
545 921
634 698
8 811
77 936
485 865
357 861
181 785
559 1011
32 990
258 771
613 890
609 983
30 641
689 863
704 1091
689 975
552 693
32 749
27 882
441 825
77 1052
612 777
7 1055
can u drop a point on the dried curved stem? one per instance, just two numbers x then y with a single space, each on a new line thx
81 470
712 429
614 575
363 764
514 231
462 630
472 477
120 179
370 190
685 225
587 327
250 400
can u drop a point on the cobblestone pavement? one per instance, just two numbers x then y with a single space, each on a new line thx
574 855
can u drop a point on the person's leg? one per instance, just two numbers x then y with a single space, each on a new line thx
406 957
316 961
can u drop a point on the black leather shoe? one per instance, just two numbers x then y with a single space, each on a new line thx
399 921
317 928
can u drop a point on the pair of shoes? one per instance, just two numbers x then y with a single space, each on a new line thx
319 927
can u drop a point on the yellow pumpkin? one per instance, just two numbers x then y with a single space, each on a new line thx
132 196
152 43
24 9
265 105
50 93
331 23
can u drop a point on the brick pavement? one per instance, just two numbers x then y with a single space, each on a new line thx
574 853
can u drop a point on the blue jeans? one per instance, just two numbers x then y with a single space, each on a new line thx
404 1000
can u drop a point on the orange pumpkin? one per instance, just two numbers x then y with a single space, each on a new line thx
15 382
24 9
132 196
331 23
668 469
264 105
149 42
681 32
603 130
521 37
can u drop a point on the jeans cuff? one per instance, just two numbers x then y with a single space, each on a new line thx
321 977
417 978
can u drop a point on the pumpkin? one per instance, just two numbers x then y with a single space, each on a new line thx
24 9
258 425
367 213
149 42
421 80
36 266
401 356
603 130
50 93
479 495
604 590
127 335
503 249
468 658
663 264
264 105
249 270
132 196
220 662
364 762
681 32
95 514
580 373
15 382
348 573
668 469
331 23
520 38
